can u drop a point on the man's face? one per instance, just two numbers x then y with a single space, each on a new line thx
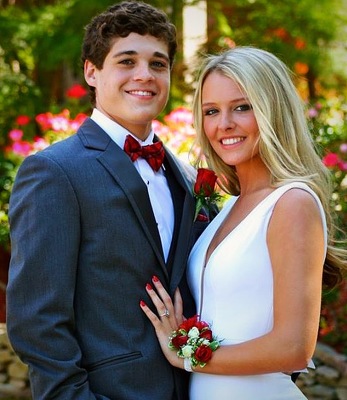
132 87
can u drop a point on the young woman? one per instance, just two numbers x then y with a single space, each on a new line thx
256 271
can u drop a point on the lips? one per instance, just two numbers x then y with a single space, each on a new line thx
144 93
233 140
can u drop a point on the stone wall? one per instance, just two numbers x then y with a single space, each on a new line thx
4 263
13 373
327 382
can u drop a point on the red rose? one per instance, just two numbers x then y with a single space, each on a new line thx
203 353
206 334
201 324
205 182
189 323
179 341
202 218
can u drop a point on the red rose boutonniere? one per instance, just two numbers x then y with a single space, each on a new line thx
204 190
194 340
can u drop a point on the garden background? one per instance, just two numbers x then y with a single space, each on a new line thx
43 97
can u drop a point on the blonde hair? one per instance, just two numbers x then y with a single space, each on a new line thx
286 145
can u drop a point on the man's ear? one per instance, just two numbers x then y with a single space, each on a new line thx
89 73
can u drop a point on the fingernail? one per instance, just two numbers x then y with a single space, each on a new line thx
142 303
155 278
149 287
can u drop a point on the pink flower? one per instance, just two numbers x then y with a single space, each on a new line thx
44 120
331 160
342 165
180 115
40 143
312 113
343 148
15 134
22 148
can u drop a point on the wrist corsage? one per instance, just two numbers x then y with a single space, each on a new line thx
193 341
204 191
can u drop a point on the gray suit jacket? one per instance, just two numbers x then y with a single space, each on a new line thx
84 245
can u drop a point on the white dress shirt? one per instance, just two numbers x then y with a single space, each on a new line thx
157 186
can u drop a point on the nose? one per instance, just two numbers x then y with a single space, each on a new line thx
143 72
226 121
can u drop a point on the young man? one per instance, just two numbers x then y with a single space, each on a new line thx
91 224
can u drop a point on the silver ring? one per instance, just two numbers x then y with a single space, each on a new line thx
165 314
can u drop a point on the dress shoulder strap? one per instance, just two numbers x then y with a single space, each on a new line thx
276 195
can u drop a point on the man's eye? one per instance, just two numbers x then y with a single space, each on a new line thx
159 64
126 62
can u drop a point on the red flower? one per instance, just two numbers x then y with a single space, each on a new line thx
76 91
179 341
23 120
189 323
206 334
205 182
194 340
204 193
203 353
202 218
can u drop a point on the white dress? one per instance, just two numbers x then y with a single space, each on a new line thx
235 294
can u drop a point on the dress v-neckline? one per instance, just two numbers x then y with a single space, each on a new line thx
236 227
207 260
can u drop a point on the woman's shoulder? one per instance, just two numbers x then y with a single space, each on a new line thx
299 205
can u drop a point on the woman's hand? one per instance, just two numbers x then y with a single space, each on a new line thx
168 318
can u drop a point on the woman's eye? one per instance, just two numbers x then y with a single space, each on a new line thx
210 111
244 107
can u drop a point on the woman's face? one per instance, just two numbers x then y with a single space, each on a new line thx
229 121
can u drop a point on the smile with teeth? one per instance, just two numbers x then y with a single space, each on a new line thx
229 141
141 92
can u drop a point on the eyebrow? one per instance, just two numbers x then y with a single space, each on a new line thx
134 53
238 100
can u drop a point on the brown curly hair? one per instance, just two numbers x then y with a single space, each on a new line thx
120 20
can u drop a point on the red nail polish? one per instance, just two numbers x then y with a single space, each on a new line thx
155 279
142 303
149 287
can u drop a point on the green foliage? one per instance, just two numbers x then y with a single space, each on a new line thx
305 31
8 171
328 119
333 326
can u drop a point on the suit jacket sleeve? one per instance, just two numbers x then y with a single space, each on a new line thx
45 230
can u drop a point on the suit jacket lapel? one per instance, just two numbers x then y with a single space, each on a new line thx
118 164
184 230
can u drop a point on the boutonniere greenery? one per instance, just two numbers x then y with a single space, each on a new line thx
204 191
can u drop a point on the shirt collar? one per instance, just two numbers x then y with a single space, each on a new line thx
116 132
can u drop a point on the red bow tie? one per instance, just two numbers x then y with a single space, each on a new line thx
154 153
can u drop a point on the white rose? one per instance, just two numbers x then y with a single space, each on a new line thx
187 351
194 332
